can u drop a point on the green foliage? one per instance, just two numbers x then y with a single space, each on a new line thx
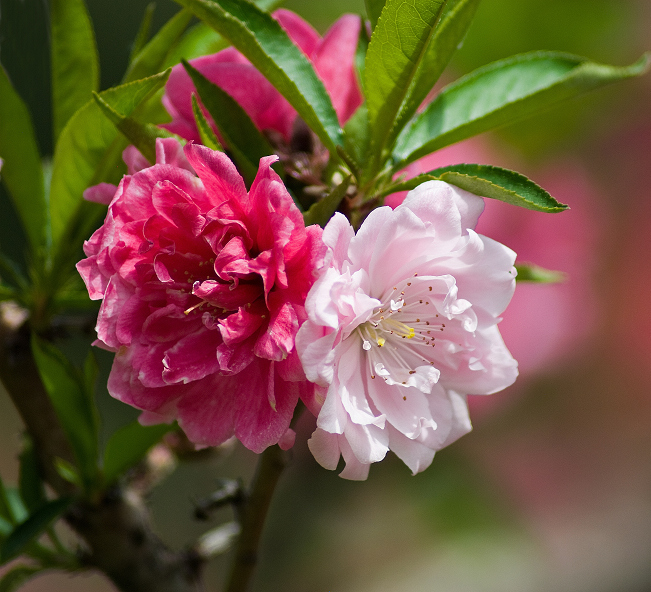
143 31
444 42
528 272
501 93
151 58
202 40
142 135
263 41
75 66
128 446
397 47
323 210
28 531
71 393
30 481
373 10
16 577
245 142
86 154
490 181
208 137
21 171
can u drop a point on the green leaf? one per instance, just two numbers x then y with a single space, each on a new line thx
373 10
397 47
264 42
29 530
320 212
68 471
444 42
16 577
143 31
151 58
489 181
21 171
141 135
243 140
501 93
356 135
128 446
528 272
208 137
73 404
84 157
30 481
5 528
5 506
75 68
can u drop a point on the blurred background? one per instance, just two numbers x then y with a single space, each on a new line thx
552 489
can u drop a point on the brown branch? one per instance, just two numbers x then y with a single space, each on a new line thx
117 528
270 466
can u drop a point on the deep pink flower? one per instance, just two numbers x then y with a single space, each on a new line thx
332 57
204 287
402 325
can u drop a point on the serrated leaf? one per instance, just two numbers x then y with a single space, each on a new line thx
73 404
75 67
29 530
397 47
489 181
142 135
143 31
16 577
444 42
21 170
84 157
151 58
528 272
264 42
128 446
201 40
373 10
501 93
321 212
208 137
243 140
30 481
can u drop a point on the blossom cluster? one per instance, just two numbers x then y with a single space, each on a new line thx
223 309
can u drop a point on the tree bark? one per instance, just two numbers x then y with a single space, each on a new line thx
117 528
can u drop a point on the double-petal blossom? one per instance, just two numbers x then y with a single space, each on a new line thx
402 325
203 287
332 58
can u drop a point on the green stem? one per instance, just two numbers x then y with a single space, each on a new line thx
270 467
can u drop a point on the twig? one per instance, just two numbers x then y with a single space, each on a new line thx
270 467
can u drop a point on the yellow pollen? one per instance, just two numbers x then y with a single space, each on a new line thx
381 341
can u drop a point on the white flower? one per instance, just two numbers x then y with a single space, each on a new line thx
402 325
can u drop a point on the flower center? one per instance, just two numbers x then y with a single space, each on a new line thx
399 336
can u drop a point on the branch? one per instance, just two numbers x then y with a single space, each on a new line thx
117 528
272 462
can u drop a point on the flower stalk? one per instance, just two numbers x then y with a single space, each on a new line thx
254 512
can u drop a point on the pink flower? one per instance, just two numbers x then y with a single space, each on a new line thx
561 316
204 288
401 326
332 57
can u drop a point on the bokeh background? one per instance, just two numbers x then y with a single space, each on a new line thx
552 489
